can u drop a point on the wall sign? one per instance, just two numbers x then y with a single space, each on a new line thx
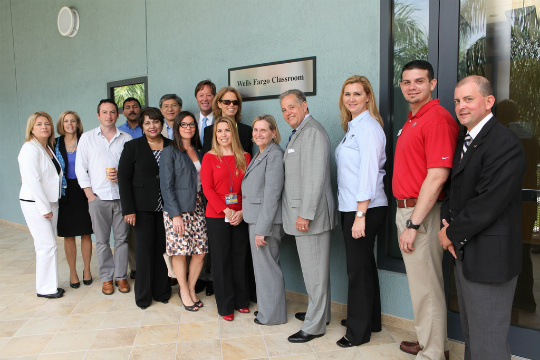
268 81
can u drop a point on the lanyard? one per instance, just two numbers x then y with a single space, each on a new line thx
230 175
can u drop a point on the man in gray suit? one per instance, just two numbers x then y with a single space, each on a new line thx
309 211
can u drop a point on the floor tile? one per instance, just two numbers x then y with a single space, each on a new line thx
192 350
383 352
71 341
342 354
44 325
206 313
198 331
162 316
108 354
80 322
9 328
25 345
122 319
96 306
76 355
156 334
152 352
251 347
112 338
238 327
278 345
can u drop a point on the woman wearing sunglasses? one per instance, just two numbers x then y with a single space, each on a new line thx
183 206
228 102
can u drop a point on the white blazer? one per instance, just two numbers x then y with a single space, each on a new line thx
40 181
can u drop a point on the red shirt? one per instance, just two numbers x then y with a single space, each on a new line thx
427 140
216 182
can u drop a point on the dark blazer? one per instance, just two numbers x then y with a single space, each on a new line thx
138 176
245 133
178 180
261 190
483 204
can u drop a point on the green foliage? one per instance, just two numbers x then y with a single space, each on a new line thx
121 93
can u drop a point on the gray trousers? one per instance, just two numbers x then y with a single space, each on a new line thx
485 310
269 277
314 254
106 214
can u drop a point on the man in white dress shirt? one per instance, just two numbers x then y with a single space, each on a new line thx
96 166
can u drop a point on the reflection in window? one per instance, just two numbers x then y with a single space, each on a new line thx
500 39
121 93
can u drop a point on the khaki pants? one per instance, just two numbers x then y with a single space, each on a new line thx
426 285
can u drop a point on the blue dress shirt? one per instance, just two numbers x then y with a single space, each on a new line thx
360 159
135 133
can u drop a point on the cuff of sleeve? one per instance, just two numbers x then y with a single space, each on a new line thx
84 183
363 196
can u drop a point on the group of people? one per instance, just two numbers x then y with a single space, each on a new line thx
190 185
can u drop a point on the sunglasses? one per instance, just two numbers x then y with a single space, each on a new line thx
228 102
185 125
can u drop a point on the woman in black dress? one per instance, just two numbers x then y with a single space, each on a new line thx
73 217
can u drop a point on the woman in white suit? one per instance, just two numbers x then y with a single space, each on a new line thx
261 205
40 191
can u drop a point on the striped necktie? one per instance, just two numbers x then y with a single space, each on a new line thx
466 143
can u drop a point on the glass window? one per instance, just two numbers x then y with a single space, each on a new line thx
121 90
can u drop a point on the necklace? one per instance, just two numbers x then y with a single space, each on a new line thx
71 149
154 143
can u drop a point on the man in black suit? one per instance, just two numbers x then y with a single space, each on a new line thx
481 218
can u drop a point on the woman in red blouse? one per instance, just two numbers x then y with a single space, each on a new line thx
222 171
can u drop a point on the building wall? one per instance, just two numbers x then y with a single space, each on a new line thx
176 44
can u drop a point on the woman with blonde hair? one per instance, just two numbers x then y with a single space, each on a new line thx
222 171
40 191
261 191
360 159
73 216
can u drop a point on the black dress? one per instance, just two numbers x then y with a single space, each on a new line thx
73 216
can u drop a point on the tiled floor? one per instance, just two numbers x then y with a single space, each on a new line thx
85 324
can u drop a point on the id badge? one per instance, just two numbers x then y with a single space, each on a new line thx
231 198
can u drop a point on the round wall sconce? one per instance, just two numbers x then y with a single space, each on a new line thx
68 21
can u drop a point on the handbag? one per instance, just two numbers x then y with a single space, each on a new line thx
170 268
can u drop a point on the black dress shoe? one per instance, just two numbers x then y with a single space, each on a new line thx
210 288
60 290
344 343
302 317
174 281
256 312
143 307
344 322
302 337
256 321
199 286
56 295
132 274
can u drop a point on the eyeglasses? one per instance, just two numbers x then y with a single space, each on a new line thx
185 125
228 102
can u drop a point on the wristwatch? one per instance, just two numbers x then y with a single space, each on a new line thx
410 225
360 214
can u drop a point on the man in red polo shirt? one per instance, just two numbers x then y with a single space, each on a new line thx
422 164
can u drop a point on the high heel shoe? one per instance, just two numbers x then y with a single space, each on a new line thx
228 317
74 285
199 303
193 307
86 282
243 310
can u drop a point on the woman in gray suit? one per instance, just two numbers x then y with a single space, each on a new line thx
261 190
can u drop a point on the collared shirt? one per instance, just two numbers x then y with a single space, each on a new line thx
135 133
170 134
476 130
94 155
427 140
360 159
209 121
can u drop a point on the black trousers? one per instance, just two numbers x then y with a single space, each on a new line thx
152 281
364 299
229 246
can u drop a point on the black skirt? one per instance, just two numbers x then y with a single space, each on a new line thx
73 216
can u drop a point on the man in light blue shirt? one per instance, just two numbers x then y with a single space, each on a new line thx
170 106
132 109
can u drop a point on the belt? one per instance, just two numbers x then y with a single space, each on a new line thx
406 203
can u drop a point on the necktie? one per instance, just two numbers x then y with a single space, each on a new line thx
290 137
202 128
466 143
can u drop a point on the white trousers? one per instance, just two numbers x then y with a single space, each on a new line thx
44 233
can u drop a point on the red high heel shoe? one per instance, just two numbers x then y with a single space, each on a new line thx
243 310
228 317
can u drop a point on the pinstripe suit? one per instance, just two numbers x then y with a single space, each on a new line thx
307 193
